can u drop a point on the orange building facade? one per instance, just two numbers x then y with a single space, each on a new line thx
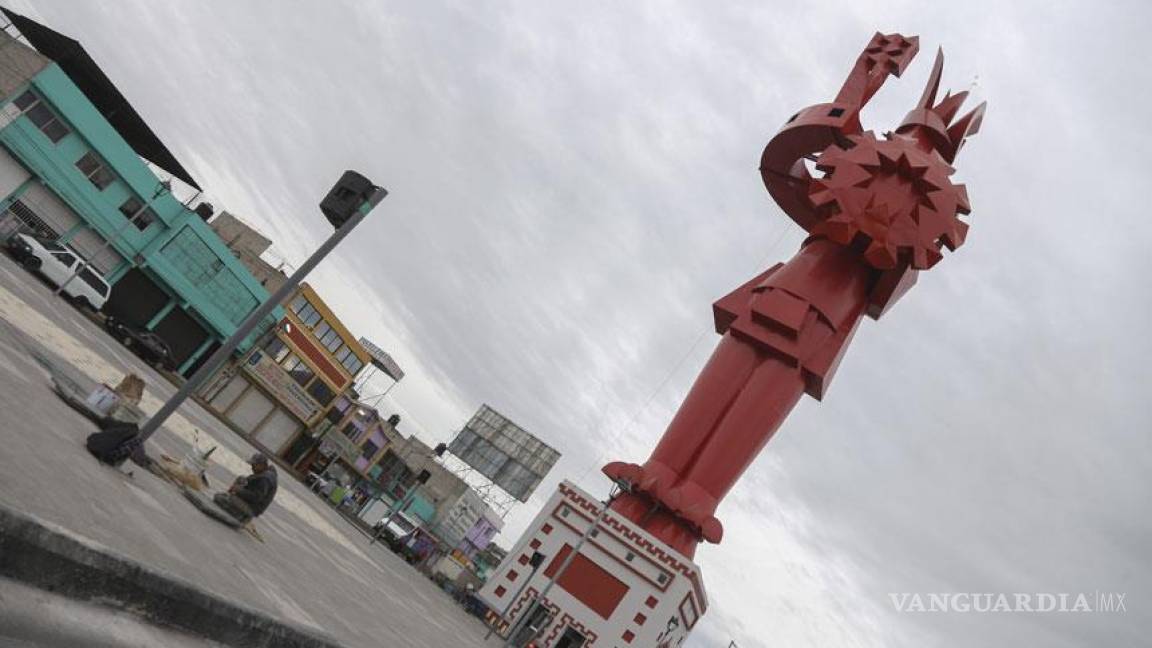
282 394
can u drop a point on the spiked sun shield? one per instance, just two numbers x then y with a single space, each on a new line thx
890 198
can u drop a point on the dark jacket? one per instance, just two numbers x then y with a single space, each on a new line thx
258 490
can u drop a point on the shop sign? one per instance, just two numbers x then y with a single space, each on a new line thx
281 386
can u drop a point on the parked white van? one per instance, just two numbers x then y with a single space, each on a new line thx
58 264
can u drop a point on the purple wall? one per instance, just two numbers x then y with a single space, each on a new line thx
377 437
478 537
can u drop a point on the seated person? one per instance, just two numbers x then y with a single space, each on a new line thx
250 495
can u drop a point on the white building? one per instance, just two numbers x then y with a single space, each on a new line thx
624 588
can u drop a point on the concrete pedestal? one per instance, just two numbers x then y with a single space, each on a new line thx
625 588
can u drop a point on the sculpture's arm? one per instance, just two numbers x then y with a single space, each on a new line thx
815 128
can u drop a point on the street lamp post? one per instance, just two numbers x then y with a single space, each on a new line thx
535 561
161 189
509 641
346 205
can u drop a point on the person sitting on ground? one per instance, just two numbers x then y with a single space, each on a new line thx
250 495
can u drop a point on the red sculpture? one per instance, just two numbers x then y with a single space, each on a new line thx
882 211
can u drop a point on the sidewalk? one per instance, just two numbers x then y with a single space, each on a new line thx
313 570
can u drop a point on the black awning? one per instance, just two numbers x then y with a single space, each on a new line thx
74 60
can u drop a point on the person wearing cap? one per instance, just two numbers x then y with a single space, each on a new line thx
250 495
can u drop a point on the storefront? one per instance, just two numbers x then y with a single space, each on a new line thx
265 403
350 450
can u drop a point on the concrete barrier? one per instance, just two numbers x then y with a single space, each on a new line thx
48 557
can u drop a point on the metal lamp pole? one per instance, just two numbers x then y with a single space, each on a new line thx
559 572
164 187
367 200
536 560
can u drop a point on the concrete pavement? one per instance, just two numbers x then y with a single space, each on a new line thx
312 570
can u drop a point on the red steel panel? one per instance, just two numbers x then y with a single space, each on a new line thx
590 583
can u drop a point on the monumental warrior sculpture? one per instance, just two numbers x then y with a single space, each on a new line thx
880 211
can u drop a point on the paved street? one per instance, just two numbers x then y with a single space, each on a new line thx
312 568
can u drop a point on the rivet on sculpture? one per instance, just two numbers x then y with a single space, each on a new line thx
883 210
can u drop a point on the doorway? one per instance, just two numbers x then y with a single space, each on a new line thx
538 619
570 639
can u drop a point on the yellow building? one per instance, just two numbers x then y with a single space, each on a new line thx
291 382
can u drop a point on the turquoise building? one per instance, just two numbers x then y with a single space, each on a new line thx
77 164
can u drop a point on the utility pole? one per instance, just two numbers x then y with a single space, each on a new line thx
508 642
349 201
535 561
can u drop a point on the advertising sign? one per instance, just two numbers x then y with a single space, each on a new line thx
278 383
382 360
505 453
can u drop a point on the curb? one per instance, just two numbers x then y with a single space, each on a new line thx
50 558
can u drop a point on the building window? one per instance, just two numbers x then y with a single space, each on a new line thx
135 211
42 116
299 371
334 415
26 101
308 315
352 364
321 392
342 353
327 336
369 450
189 254
276 349
351 431
322 329
95 170
298 303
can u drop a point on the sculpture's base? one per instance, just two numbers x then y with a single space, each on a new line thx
624 588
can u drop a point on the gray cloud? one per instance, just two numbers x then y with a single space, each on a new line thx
573 185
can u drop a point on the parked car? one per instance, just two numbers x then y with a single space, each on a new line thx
316 481
397 529
150 347
58 264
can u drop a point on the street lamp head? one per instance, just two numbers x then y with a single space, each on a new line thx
351 194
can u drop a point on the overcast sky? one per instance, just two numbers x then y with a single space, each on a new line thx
574 183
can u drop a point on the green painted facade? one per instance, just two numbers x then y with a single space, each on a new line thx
178 251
